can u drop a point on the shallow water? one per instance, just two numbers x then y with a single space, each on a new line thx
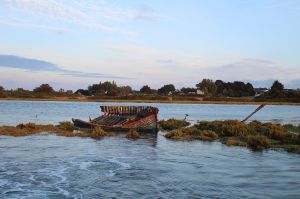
48 166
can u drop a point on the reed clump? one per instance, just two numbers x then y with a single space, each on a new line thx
172 124
12 131
132 134
225 128
182 134
66 126
98 132
258 142
234 142
191 133
208 135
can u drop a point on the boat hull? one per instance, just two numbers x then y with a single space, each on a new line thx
144 125
123 118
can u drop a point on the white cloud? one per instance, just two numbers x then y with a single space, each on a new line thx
98 15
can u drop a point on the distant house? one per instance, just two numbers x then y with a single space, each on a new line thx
199 92
192 93
82 92
69 92
260 91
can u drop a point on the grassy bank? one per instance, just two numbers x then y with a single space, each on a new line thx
177 101
254 135
62 129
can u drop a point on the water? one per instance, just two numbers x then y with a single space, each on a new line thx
15 112
48 166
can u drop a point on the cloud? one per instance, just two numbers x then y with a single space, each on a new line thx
36 26
165 61
34 65
98 15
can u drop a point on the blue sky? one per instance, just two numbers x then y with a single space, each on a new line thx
73 43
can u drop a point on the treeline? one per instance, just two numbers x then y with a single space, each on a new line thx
207 88
278 93
42 91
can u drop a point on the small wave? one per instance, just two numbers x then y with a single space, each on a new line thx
122 164
59 174
85 165
3 182
63 191
110 173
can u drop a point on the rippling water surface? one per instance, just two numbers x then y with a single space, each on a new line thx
48 166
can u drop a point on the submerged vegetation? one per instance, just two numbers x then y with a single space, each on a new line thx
255 135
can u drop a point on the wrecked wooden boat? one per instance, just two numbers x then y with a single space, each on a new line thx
123 118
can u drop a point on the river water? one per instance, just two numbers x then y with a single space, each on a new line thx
48 166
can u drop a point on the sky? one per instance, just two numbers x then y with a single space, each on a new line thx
75 43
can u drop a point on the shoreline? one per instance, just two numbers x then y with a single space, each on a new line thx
62 99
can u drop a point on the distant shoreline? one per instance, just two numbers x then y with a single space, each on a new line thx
64 99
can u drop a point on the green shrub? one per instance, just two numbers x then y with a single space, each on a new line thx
258 142
172 124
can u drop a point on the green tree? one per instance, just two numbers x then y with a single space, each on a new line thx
124 90
105 88
166 89
276 89
208 86
44 88
2 94
277 86
187 90
146 90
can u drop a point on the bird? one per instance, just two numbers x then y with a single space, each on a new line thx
186 115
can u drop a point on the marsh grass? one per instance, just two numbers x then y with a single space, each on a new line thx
258 142
132 134
67 126
172 124
291 128
255 135
234 142
99 133
66 129
191 133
